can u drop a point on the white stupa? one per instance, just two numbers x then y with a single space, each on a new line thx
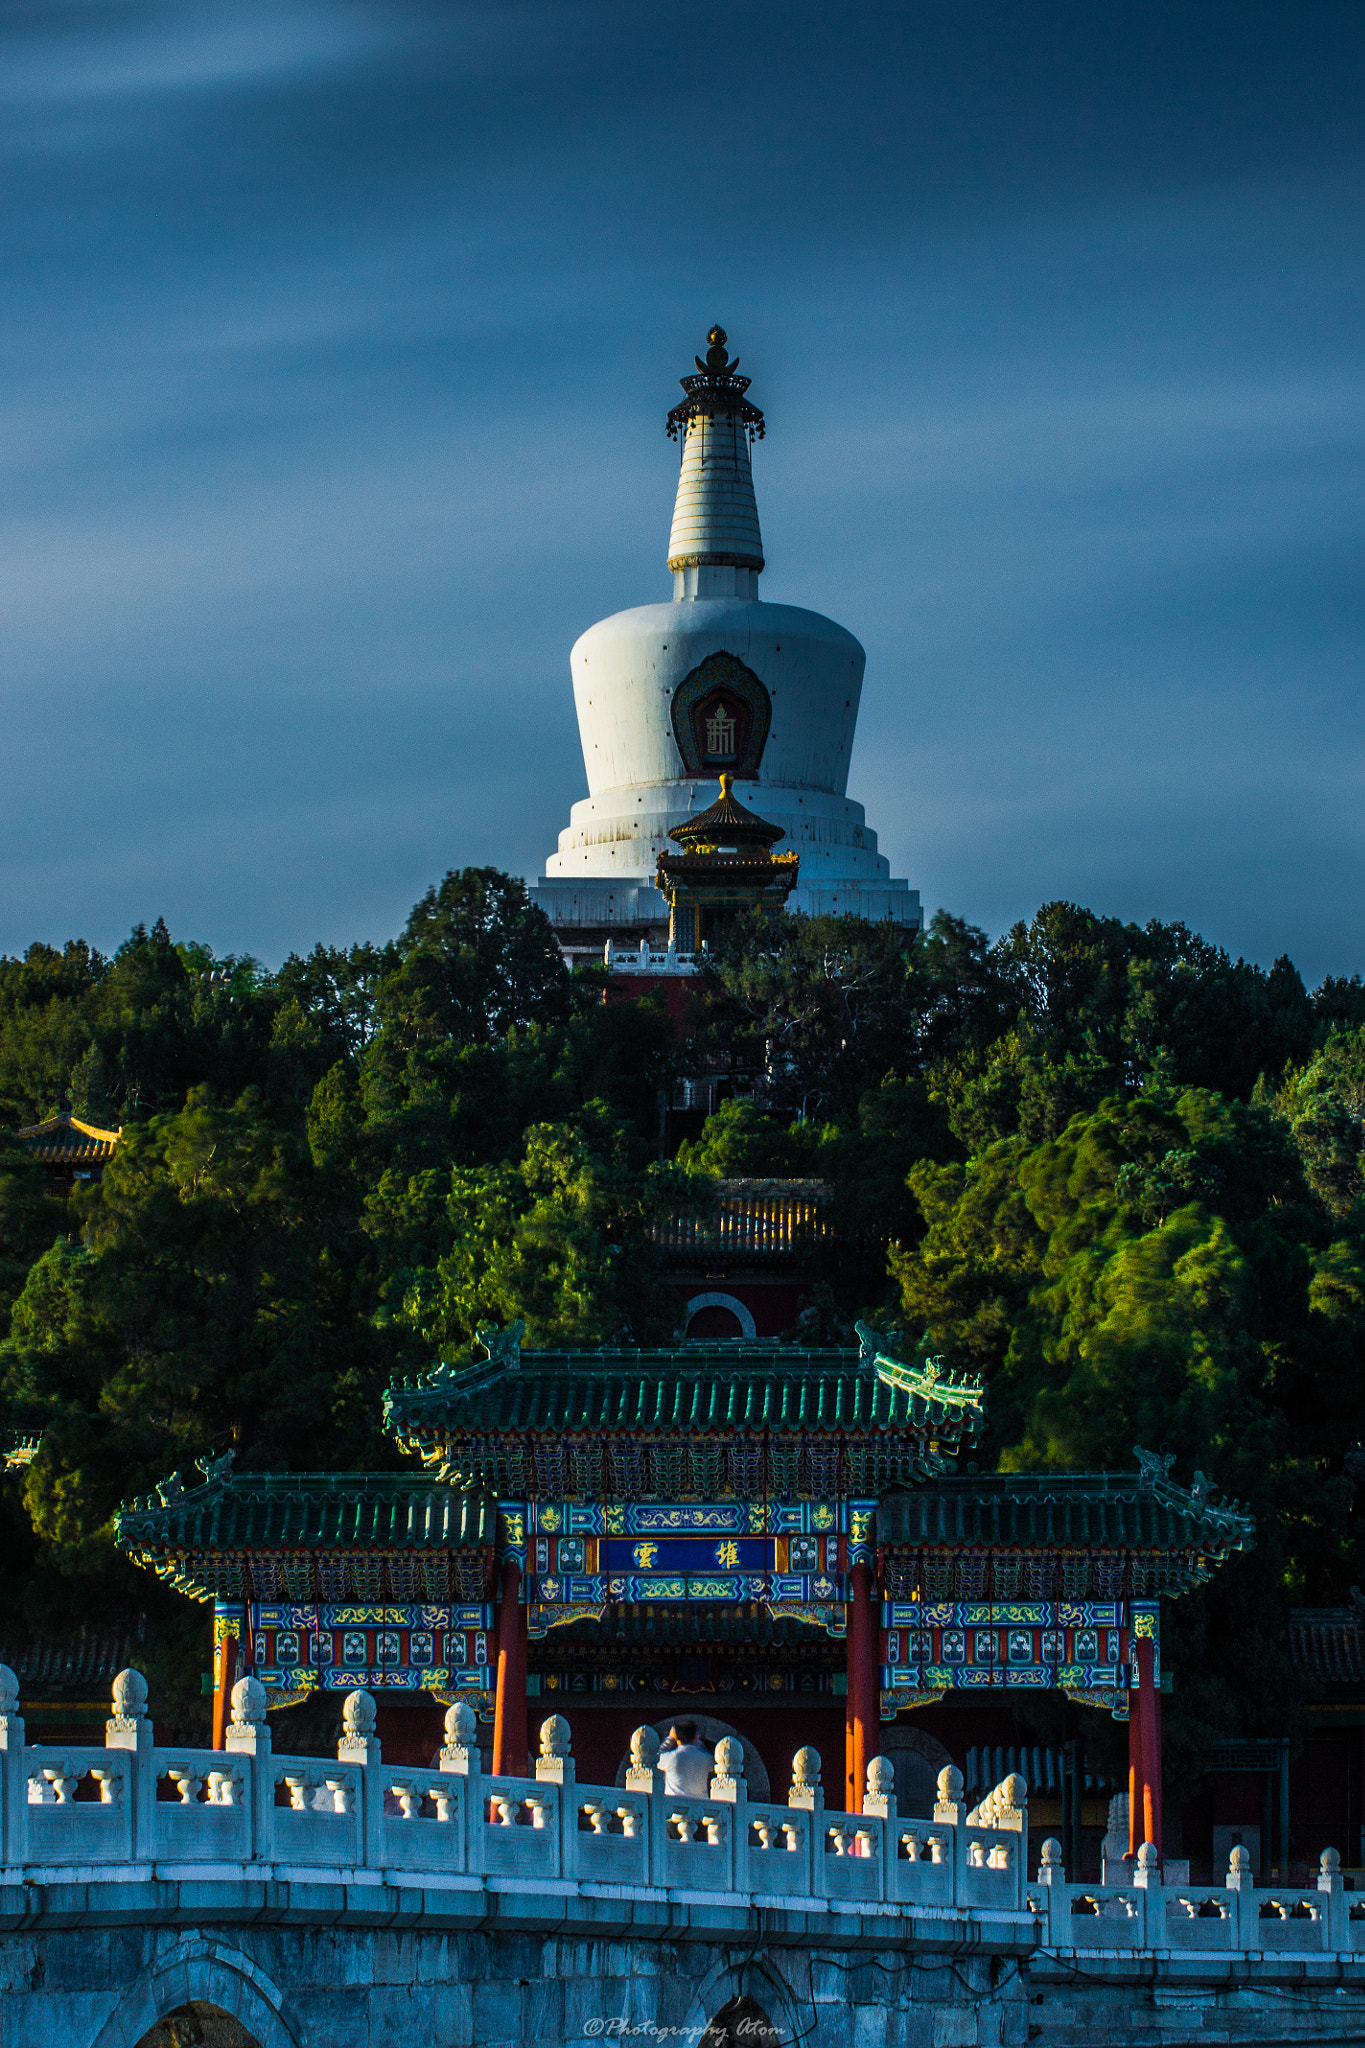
669 695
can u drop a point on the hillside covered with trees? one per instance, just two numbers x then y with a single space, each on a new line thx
1106 1166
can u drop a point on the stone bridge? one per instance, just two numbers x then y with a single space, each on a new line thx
159 1898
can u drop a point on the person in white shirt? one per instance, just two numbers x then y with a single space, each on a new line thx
686 1762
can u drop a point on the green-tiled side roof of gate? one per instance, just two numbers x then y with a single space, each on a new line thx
1062 1511
307 1511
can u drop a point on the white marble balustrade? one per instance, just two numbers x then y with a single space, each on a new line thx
1318 1919
80 1814
130 1811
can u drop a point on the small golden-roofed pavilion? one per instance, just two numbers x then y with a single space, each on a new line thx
68 1149
726 865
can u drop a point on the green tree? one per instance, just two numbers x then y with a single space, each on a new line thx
476 960
208 1305
740 1142
821 1005
1160 1273
561 1239
1324 1104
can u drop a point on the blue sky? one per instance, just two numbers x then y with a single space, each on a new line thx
338 342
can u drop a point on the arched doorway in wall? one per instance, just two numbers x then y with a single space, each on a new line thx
717 1318
917 1759
198 2025
741 2023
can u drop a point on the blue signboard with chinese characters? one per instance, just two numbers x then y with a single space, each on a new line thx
580 1558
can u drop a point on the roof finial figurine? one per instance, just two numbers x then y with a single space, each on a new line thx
1154 1467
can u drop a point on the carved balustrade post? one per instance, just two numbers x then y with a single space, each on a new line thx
728 1788
1241 1880
248 1736
879 1802
642 1776
460 1758
644 1758
950 1811
1332 1899
359 1745
555 1766
807 1796
1056 1898
129 1728
1147 1883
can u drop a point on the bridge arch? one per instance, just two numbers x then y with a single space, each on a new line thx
741 2023
198 2026
744 2004
192 1982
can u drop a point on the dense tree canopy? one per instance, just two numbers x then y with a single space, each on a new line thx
1115 1171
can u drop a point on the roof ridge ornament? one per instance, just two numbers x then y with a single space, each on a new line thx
1153 1466
502 1347
1154 1476
216 1471
931 1381
871 1340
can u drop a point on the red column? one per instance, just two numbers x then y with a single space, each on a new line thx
509 1712
225 1677
1150 1741
862 1715
1135 1775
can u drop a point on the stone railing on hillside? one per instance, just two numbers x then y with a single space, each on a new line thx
647 959
87 1832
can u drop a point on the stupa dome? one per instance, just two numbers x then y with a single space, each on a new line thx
670 695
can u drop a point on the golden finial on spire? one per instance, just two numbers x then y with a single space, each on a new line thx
716 389
717 362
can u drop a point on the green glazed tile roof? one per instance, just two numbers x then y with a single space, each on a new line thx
1061 1511
1329 1644
308 1511
690 1390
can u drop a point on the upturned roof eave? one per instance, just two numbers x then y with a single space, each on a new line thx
314 1510
1095 1510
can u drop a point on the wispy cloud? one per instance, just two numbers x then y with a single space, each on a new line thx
330 413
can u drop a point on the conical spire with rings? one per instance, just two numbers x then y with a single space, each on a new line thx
715 548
